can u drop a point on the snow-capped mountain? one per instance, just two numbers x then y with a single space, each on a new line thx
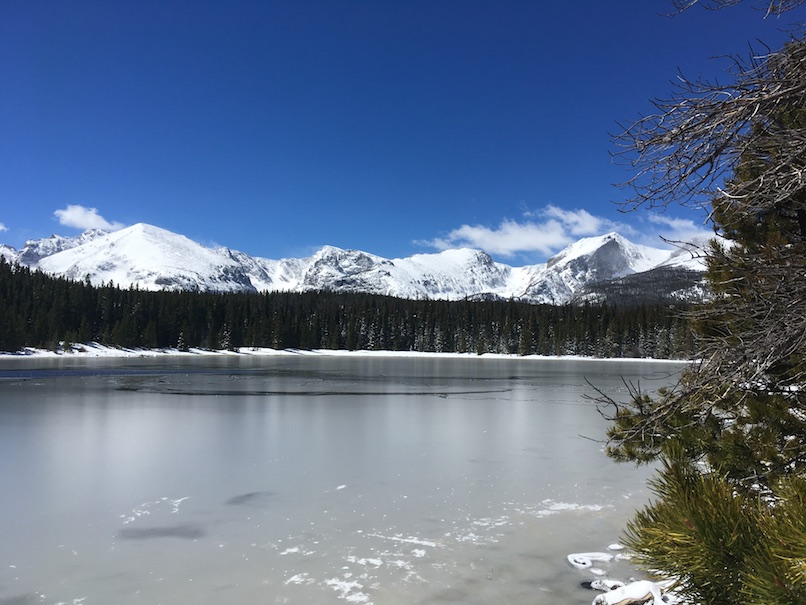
588 261
152 258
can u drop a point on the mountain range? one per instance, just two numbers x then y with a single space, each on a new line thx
607 267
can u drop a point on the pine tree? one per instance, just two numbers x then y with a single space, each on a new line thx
729 519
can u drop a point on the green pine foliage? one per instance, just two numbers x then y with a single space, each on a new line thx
776 569
699 532
723 546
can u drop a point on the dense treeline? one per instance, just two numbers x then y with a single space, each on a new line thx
40 310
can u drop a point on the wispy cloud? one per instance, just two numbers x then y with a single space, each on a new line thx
579 223
81 217
545 232
3 227
680 229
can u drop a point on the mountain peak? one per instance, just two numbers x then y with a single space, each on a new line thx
147 230
612 249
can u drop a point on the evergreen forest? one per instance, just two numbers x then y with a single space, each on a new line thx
39 310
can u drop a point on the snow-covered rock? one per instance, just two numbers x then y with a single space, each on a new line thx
635 593
585 560
35 250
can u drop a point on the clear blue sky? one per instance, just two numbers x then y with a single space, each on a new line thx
394 127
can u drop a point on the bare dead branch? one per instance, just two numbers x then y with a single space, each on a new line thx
686 151
770 7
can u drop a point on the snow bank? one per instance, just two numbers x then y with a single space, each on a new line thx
94 349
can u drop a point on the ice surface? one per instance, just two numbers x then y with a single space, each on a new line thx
273 522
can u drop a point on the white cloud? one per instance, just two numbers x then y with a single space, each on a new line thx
81 217
545 231
578 222
3 228
508 239
680 229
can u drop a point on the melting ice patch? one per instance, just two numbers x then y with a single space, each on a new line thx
349 590
363 561
294 550
390 558
408 540
160 505
300 579
550 507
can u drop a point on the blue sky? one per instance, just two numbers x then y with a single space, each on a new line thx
394 127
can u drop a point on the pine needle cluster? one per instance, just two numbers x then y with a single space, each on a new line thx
722 546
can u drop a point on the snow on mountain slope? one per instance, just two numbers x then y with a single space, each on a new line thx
690 255
448 275
150 258
595 259
346 270
35 250
454 274
548 287
155 259
588 261
608 255
11 255
268 275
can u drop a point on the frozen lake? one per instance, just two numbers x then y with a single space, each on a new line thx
308 479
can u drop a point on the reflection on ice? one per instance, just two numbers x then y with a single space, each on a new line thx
250 499
183 531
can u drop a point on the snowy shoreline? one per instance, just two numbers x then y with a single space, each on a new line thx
96 350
